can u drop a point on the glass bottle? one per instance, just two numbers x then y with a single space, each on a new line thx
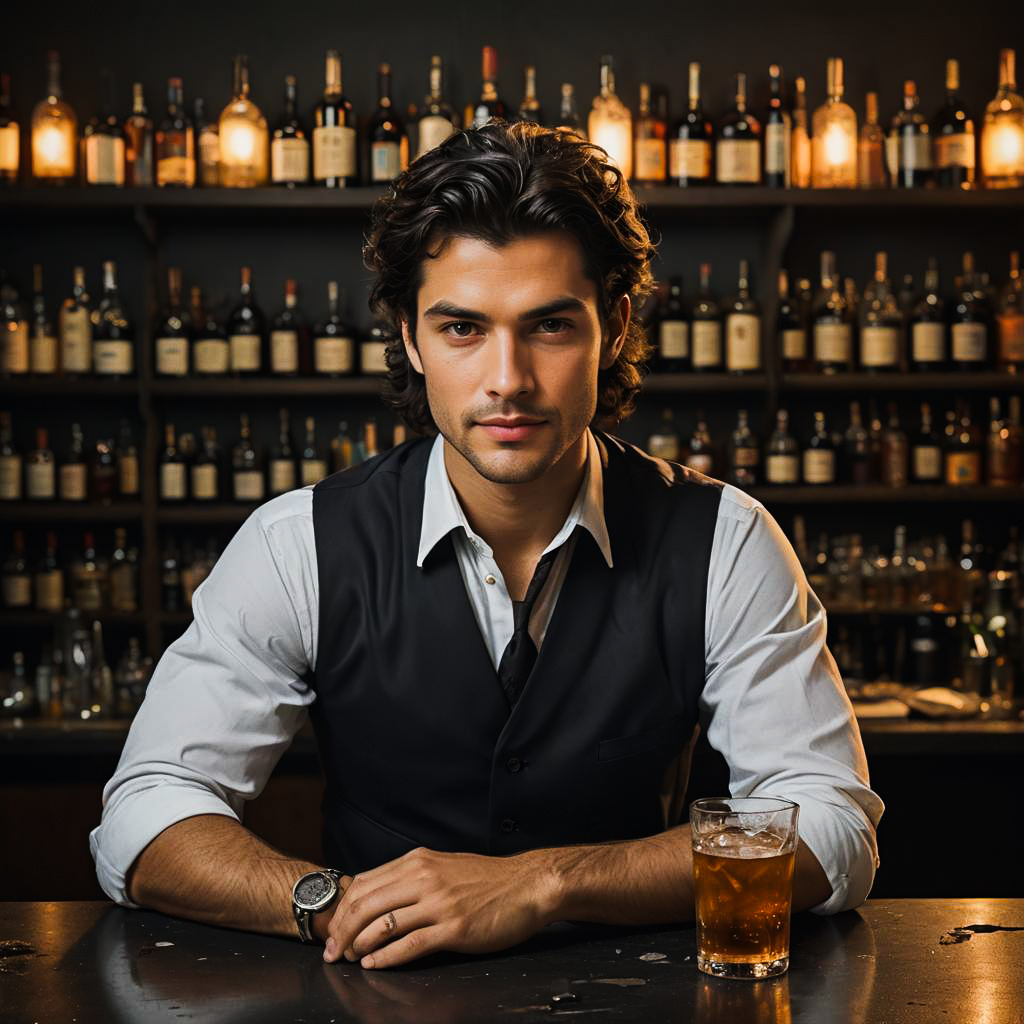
289 147
40 471
243 135
373 349
14 346
208 145
211 352
1002 454
175 147
489 105
335 163
610 124
102 685
76 329
172 331
386 139
437 120
700 451
963 450
103 147
89 578
170 578
665 442
529 108
73 476
288 338
10 462
743 329
205 472
1010 320
871 170
124 572
1002 134
801 159
48 581
738 146
103 471
859 465
778 135
926 459
909 145
282 458
113 346
833 331
138 134
42 340
953 131
130 679
673 332
819 457
10 135
173 470
246 467
744 453
312 464
127 463
969 322
706 329
54 132
568 112
791 330
649 150
782 466
928 324
333 340
895 452
245 329
691 139
834 135
342 449
17 581
880 323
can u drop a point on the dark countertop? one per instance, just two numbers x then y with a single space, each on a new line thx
96 962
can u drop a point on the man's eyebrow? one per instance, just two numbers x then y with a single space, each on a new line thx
563 304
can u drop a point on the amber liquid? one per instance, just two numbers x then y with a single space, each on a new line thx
743 906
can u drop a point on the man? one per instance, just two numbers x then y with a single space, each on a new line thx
504 634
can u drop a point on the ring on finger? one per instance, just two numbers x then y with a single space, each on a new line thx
390 924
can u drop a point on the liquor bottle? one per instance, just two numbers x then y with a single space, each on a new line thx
170 578
529 108
342 449
969 322
124 571
782 466
19 701
386 139
14 346
800 163
282 458
706 330
288 338
1002 134
895 452
665 442
245 331
834 135
859 465
244 140
89 577
690 143
46 683
48 581
833 331
10 135
76 329
437 120
909 145
172 331
744 453
289 146
700 451
673 332
926 462
928 324
1002 628
173 471
791 331
42 340
138 136
103 471
649 151
211 351
312 464
738 149
103 147
1010 320
54 132
333 342
953 131
778 135
819 457
102 682
871 170
205 473
127 463
1002 454
568 112
743 329
73 474
1015 430
207 144
373 349
113 348
335 163
489 105
17 581
175 147
369 443
880 323
10 462
963 450
246 467
610 124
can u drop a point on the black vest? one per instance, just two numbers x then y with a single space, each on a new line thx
415 735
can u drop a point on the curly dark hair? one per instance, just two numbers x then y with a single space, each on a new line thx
498 183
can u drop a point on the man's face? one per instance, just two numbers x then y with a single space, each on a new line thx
509 340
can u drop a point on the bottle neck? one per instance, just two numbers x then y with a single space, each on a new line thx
435 83
53 79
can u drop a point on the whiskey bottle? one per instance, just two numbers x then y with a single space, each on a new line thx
138 136
665 442
926 462
17 581
895 452
48 581
880 323
833 332
744 453
205 474
289 145
312 464
909 145
819 457
172 331
282 458
437 120
857 450
1003 454
42 339
14 347
288 336
969 322
529 108
40 474
335 163
928 324
791 330
73 473
173 470
245 329
782 466
743 329
247 467
690 144
778 135
211 351
738 149
700 451
673 332
333 342
1010 320
127 463
706 330
649 149
10 462
963 450
386 139
103 147
76 330
113 346
953 131
175 145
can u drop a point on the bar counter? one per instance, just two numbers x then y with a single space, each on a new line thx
92 962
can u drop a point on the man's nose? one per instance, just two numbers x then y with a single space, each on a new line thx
509 371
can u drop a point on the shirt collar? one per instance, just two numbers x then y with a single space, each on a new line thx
442 512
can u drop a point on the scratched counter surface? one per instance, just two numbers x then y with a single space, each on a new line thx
893 960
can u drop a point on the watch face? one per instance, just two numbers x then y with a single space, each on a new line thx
313 890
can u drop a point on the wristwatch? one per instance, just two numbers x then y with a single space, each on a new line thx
312 893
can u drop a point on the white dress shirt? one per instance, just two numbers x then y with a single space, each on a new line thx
228 696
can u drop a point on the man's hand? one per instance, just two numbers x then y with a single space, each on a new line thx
426 902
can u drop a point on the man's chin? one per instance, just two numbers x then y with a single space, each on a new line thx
509 467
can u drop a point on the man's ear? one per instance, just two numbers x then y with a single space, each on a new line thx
410 348
615 334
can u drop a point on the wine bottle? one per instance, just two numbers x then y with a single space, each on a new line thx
103 472
48 580
246 466
208 144
333 342
928 324
953 131
312 464
880 323
282 458
173 470
172 331
895 451
833 333
54 132
871 169
1002 454
10 135
819 457
437 120
10 462
969 322
175 146
40 472
489 105
744 453
124 573
700 451
373 349
386 140
665 442
103 140
73 475
529 108
791 330
859 465
743 329
42 340
778 135
289 146
782 466
245 329
1010 320
963 450
909 145
673 332
138 135
205 472
127 463
335 163
801 159
692 136
568 112
211 352
288 337
706 330
113 347
738 148
14 346
926 451
76 329
243 135
649 152
16 585
610 124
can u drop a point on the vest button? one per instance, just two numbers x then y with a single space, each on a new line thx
508 825
514 765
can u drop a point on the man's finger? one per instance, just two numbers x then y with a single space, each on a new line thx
416 944
391 927
355 914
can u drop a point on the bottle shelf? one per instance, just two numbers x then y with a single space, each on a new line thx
887 382
93 387
278 387
26 512
876 494
838 609
660 383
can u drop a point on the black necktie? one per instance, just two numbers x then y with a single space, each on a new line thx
521 652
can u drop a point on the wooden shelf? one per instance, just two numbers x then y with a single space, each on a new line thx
808 494
279 387
29 512
887 382
660 383
91 387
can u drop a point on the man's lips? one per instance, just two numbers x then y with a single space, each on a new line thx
516 428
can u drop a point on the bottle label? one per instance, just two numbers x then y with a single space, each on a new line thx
819 466
334 152
212 355
313 471
649 161
782 469
204 482
745 458
928 343
833 343
674 339
112 356
663 446
14 353
73 482
282 475
701 462
248 485
1011 337
963 468
894 462
794 343
209 157
44 353
333 355
743 341
172 481
9 147
176 170
690 158
39 480
172 357
915 152
104 160
50 590
969 343
433 130
707 343
18 591
372 357
122 588
927 462
289 160
879 346
954 151
739 161
777 150
385 161
10 477
284 352
86 592
128 475
245 353
76 341
892 154
1003 462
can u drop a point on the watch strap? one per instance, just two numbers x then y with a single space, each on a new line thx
304 917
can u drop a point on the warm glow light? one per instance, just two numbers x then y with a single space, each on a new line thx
1003 149
616 139
238 143
52 152
837 146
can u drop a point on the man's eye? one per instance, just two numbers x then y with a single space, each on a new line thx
458 329
554 325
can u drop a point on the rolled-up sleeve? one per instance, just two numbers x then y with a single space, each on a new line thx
226 698
774 702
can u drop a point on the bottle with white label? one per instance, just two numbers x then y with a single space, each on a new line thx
103 140
281 469
312 464
738 149
928 324
173 470
953 132
246 467
334 134
14 346
204 475
10 462
288 336
969 322
778 135
743 329
833 330
289 145
689 151
43 338
245 329
926 451
211 353
333 340
385 135
880 323
40 471
649 150
373 349
791 330
113 344
782 464
436 120
172 331
73 473
706 327
10 135
665 442
76 330
673 332
819 457
909 145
